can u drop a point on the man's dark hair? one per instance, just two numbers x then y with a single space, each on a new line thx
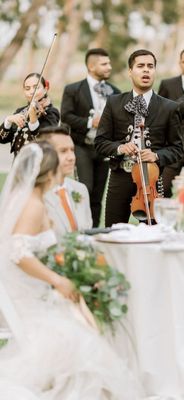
138 53
62 129
95 52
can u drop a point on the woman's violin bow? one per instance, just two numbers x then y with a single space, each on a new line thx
39 80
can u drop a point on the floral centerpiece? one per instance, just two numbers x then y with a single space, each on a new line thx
104 289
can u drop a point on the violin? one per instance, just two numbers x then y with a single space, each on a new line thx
37 108
145 175
40 108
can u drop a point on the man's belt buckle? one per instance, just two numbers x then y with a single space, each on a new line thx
127 164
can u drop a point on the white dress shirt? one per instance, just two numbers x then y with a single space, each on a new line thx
182 80
99 101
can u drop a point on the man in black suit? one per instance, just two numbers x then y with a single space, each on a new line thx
81 108
173 89
119 131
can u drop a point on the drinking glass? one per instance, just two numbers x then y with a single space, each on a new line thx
166 211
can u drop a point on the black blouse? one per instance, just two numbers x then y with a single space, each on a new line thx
17 137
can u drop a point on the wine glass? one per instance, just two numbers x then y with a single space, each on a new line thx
166 211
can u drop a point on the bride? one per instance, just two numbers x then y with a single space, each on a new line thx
58 355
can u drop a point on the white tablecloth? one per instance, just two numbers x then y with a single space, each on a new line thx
155 313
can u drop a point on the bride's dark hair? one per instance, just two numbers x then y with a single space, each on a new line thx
49 162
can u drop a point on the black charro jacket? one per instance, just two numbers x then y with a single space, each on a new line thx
163 121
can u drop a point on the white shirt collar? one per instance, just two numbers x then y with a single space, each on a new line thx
91 81
97 100
147 96
58 187
182 80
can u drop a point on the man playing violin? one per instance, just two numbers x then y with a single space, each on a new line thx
23 126
117 136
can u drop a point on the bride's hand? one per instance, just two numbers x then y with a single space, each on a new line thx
67 288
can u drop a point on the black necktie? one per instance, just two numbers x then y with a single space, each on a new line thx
103 89
138 107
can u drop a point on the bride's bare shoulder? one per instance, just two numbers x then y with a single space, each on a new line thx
31 218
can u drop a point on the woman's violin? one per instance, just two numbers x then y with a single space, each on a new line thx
145 175
39 107
41 104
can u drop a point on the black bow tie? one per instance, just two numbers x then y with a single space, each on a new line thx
138 107
103 89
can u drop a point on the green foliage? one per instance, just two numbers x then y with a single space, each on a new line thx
3 342
103 288
170 12
9 10
112 22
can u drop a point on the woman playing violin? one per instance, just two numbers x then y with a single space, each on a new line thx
23 126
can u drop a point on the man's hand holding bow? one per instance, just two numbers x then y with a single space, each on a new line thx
128 149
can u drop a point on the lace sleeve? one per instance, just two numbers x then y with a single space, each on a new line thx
21 247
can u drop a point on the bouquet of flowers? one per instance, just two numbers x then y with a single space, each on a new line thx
104 289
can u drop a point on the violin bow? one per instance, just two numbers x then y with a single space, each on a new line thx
144 188
143 180
41 74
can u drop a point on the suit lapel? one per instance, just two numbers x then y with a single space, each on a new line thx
55 205
179 87
152 110
129 116
77 208
74 206
87 93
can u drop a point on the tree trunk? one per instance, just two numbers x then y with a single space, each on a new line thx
25 21
69 41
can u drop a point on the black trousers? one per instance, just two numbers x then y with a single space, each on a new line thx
92 171
119 196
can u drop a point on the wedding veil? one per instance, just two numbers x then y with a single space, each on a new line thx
18 186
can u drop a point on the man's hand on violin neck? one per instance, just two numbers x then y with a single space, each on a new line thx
148 155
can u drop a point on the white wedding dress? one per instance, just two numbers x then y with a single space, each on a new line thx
62 357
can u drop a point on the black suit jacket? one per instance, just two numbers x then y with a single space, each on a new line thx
75 106
171 88
17 138
163 121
